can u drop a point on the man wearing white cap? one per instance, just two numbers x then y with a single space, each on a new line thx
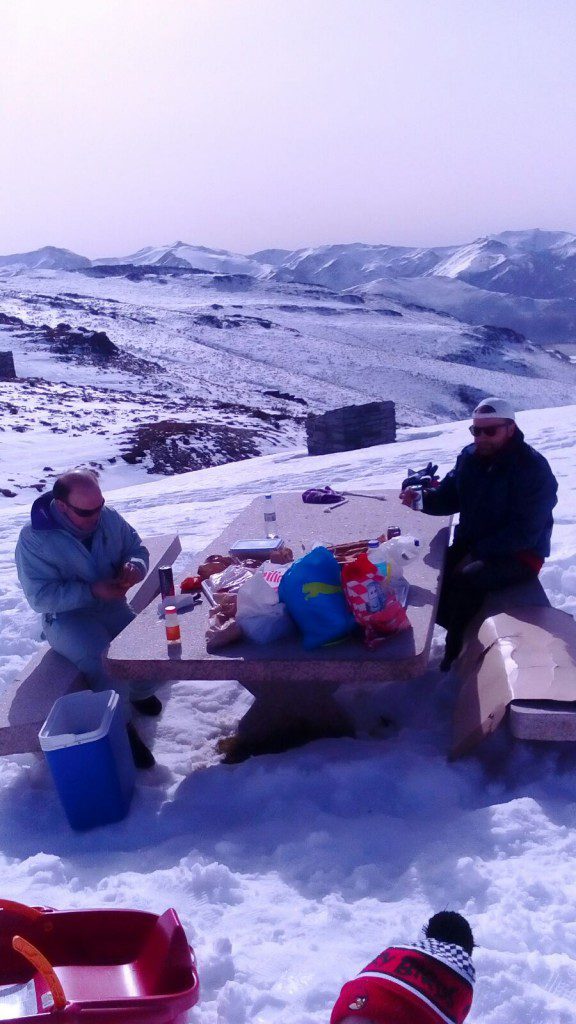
504 491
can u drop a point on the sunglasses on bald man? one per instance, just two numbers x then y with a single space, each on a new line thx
85 513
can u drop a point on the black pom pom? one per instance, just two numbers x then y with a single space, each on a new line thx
449 926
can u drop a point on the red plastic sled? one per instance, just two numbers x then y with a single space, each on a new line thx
94 967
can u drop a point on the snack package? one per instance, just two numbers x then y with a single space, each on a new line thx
215 564
232 578
191 584
372 603
273 573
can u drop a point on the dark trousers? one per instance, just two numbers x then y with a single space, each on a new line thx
463 590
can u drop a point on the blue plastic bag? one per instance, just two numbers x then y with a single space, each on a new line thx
312 592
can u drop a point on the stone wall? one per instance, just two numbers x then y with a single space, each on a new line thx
7 371
353 426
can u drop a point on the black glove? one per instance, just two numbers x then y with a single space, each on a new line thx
421 477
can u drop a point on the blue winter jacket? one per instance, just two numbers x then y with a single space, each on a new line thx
505 503
56 569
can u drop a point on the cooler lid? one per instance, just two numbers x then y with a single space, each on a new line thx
78 718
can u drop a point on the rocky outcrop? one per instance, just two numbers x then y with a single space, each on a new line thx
66 340
171 446
140 273
499 335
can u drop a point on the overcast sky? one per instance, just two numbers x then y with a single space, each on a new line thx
244 124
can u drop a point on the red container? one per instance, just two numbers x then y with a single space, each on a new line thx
98 966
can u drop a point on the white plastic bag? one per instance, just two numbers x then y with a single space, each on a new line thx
260 615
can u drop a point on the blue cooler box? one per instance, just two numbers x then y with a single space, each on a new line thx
85 742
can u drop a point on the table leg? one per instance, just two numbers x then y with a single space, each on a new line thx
286 715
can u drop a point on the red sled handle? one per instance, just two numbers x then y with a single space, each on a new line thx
44 968
31 913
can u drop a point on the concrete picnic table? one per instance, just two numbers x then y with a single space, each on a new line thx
294 688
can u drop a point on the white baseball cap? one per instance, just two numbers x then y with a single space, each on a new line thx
494 408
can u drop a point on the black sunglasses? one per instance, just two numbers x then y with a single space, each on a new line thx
489 431
85 513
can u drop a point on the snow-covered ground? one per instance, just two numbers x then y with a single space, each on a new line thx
230 369
291 871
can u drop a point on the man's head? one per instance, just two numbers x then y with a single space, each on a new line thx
79 498
493 425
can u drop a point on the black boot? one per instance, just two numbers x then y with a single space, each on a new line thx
451 651
150 706
143 756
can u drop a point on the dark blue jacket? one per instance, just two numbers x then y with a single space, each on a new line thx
505 503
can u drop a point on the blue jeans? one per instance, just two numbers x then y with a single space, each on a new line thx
83 636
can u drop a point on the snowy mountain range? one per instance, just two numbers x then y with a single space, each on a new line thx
178 357
525 280
539 264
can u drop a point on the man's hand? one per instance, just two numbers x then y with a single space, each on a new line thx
467 560
408 496
108 590
129 575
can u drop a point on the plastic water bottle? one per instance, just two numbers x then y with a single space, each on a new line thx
398 551
270 517
377 558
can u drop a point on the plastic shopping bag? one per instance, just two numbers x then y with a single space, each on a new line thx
312 591
259 613
373 603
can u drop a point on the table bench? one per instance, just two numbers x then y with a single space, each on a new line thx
294 689
519 654
26 702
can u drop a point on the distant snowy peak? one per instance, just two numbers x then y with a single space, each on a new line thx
345 266
47 258
272 257
535 240
537 264
198 257
476 258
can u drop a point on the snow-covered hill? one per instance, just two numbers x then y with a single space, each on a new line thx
180 254
174 370
292 871
47 258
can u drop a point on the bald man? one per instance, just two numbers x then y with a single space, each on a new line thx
76 560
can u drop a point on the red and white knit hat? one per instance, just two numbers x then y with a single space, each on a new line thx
429 982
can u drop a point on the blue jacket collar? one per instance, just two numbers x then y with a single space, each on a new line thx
43 517
40 514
